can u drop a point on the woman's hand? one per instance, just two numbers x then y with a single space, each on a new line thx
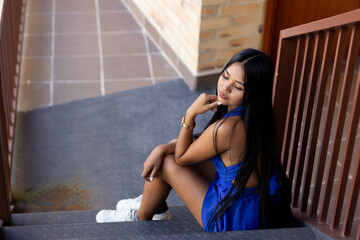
153 163
203 104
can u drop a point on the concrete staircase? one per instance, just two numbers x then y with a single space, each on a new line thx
110 173
81 225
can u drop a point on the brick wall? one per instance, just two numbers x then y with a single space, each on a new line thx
178 22
228 26
199 36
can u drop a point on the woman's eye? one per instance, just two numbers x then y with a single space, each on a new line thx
238 88
225 76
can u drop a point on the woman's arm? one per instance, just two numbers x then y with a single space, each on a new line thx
155 159
204 144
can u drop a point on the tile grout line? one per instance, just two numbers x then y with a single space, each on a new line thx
63 81
73 12
90 55
101 60
149 57
52 62
153 41
67 34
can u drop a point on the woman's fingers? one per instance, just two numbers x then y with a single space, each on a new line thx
145 174
150 173
213 106
209 98
204 103
211 101
154 173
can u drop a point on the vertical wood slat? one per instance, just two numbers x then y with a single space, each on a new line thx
14 25
5 70
10 65
339 56
283 71
318 105
4 170
10 61
292 104
354 190
352 201
305 128
11 37
7 50
300 99
6 88
349 146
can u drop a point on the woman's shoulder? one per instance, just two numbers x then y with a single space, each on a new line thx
230 137
233 123
231 126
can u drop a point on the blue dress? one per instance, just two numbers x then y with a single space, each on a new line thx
242 214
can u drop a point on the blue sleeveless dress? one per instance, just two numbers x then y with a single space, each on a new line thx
242 214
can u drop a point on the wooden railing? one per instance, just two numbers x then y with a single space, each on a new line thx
317 107
11 27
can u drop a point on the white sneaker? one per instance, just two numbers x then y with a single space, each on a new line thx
162 216
130 203
134 203
125 215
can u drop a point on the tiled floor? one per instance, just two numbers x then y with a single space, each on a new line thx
76 49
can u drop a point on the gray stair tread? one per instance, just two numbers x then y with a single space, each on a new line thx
91 230
175 229
304 233
85 216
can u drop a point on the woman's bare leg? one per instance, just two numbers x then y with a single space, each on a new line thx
187 181
154 194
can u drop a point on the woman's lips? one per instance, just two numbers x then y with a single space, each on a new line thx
223 95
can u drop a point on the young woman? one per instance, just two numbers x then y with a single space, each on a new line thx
230 177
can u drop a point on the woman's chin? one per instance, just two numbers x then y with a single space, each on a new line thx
223 101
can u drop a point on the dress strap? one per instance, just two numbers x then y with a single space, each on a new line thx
239 111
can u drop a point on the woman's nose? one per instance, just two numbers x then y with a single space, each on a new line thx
228 86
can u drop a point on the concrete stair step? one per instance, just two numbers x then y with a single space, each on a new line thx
100 230
85 216
174 229
81 225
304 233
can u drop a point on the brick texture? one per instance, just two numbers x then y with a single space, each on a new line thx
228 26
204 34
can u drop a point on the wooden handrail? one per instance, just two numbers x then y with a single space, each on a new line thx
323 24
11 26
310 58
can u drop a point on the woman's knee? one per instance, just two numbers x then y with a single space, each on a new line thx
169 162
169 166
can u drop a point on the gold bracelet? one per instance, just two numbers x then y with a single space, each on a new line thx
184 125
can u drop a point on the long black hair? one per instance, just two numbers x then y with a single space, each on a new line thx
260 155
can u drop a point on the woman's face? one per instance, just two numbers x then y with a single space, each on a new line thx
230 86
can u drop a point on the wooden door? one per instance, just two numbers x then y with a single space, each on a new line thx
282 14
